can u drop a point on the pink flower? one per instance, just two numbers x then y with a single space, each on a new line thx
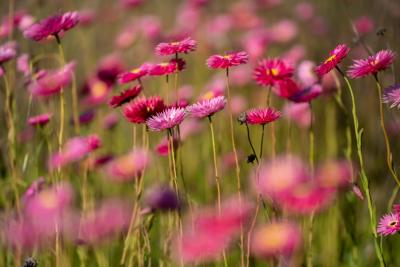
34 189
335 57
134 74
143 108
228 60
74 150
276 239
23 64
166 119
391 95
8 51
127 167
40 120
306 74
364 25
334 174
184 46
270 71
165 68
389 224
125 96
299 113
98 90
163 146
52 26
371 65
286 88
207 107
262 116
52 82
307 94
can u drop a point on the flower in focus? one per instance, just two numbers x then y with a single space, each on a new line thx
8 51
40 120
52 82
125 96
206 107
371 65
52 26
335 57
143 108
166 119
184 46
134 74
391 95
389 224
276 239
270 71
262 116
228 60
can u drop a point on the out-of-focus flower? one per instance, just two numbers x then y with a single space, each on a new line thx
134 74
23 64
304 11
306 94
207 107
389 224
109 68
371 65
228 60
284 31
127 167
276 239
110 120
162 198
391 95
163 147
270 71
8 51
166 119
165 68
74 150
52 26
335 57
86 17
125 96
357 191
98 92
150 26
33 189
143 108
306 74
262 116
335 174
52 82
300 113
286 88
85 117
364 25
40 120
131 3
184 46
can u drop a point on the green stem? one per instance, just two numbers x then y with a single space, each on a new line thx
262 140
215 164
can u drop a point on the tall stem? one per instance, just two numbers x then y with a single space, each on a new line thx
215 164
250 142
62 103
262 140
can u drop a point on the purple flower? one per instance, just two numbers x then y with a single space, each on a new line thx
162 198
391 95
207 107
166 119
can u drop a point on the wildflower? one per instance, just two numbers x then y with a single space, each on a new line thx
23 64
33 189
206 107
162 198
335 57
184 46
306 94
166 119
52 26
306 74
391 95
163 148
228 60
125 96
40 120
98 90
134 74
8 51
300 113
270 71
143 108
165 68
371 65
334 174
262 116
389 224
286 88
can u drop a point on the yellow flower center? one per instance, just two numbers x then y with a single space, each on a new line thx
273 72
331 58
99 89
208 95
135 71
273 237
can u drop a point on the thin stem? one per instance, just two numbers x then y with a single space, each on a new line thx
311 219
62 103
262 140
215 164
175 176
311 140
251 143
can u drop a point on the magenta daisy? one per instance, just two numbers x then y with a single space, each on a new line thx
262 116
143 108
389 224
184 46
207 107
270 71
125 96
167 119
52 26
165 68
391 95
335 57
134 74
371 65
228 60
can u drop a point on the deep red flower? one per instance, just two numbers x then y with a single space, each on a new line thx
270 71
262 116
184 46
371 65
125 96
143 108
335 57
228 60
286 88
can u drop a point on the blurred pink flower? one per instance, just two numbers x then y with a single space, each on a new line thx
304 10
306 74
99 92
40 120
335 174
284 31
23 64
8 51
364 25
172 48
228 60
299 113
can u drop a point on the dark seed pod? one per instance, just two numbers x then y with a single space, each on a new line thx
30 262
251 158
242 118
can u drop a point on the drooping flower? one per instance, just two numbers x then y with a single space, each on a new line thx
184 46
143 108
389 224
335 57
52 82
371 65
262 116
166 119
125 96
276 239
40 120
8 51
134 74
391 95
52 26
206 107
270 71
228 60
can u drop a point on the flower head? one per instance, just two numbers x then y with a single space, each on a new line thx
52 26
391 95
306 94
134 74
184 46
371 65
262 116
270 71
166 119
206 107
162 198
8 51
389 224
165 68
40 120
125 96
228 60
335 57
143 108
